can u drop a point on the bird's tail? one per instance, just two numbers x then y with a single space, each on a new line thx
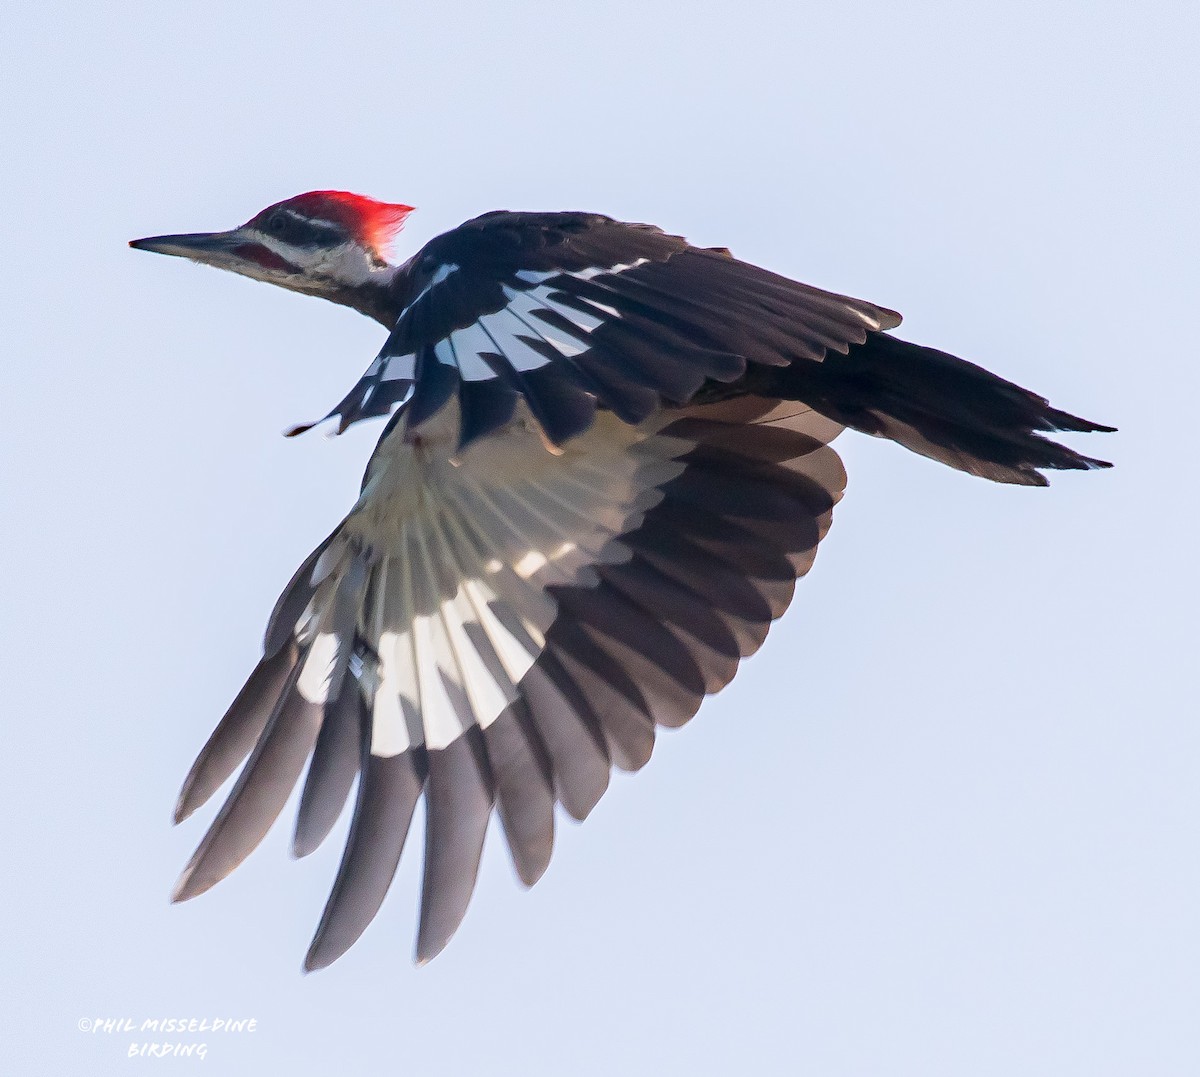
942 407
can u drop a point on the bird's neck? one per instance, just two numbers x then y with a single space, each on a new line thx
381 295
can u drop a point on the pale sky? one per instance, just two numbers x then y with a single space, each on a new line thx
946 822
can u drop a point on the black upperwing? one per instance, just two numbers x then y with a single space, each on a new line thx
574 311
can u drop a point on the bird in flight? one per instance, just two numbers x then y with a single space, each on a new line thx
605 464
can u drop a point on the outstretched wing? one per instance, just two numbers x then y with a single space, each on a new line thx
497 630
571 311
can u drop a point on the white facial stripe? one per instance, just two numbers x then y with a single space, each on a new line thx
275 246
348 264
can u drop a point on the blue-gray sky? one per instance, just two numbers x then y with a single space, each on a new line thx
944 823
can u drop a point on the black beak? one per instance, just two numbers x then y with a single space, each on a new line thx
198 246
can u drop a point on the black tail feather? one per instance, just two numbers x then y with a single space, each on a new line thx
942 407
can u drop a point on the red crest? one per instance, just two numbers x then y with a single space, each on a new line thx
370 222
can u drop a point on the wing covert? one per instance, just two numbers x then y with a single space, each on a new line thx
571 312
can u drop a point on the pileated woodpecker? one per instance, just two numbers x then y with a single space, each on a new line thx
606 465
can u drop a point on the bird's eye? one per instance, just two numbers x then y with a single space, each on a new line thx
277 223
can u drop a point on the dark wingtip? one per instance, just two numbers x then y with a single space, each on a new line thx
530 874
1074 425
189 799
344 423
303 845
1066 422
184 888
314 961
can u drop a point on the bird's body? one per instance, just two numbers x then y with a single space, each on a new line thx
605 466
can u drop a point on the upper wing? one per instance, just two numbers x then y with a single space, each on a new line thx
568 311
498 630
